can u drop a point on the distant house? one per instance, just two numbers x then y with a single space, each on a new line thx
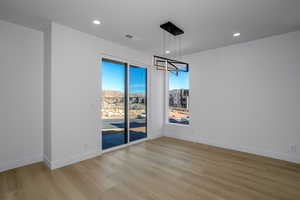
137 99
179 98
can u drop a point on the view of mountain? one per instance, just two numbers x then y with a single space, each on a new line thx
112 93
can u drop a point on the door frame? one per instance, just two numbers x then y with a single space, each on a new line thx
128 63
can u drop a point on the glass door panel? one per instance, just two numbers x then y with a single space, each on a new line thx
114 126
137 103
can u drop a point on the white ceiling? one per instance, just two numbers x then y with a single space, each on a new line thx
207 23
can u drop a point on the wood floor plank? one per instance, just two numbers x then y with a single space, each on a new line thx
160 169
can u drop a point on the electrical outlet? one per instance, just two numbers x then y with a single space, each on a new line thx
293 148
297 148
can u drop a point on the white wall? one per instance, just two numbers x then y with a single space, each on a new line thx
21 83
75 117
246 97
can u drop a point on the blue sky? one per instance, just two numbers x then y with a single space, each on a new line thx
113 78
138 83
178 82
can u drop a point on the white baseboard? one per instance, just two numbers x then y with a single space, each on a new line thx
12 164
71 160
156 136
281 156
277 155
77 158
47 161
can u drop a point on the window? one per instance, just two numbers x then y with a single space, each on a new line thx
178 111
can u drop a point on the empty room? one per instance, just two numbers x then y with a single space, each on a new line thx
150 100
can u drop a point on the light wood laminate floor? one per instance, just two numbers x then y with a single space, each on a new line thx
161 169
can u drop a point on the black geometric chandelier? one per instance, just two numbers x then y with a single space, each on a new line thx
169 64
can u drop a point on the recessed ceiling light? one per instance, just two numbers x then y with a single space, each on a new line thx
167 51
236 34
96 22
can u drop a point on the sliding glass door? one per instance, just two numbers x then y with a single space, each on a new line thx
137 103
124 103
113 109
